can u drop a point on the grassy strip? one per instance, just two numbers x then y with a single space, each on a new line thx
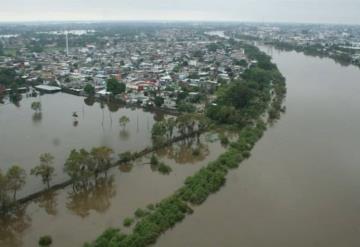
196 190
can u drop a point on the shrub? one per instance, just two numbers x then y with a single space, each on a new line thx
128 222
125 157
164 169
154 160
109 238
150 207
45 241
139 213
196 152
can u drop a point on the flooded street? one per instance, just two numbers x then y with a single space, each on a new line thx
301 186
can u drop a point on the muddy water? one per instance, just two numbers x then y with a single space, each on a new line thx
73 218
24 135
301 186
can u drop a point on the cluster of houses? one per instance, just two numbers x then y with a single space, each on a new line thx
163 63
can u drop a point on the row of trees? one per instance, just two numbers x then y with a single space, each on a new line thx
81 166
185 124
15 179
85 167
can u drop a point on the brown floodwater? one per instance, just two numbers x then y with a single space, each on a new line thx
24 135
301 187
73 218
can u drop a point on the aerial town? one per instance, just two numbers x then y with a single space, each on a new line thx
167 68
134 133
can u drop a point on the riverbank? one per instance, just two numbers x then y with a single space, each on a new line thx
209 180
300 186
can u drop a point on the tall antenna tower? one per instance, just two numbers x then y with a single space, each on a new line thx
67 43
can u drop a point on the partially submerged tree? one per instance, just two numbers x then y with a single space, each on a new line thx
36 106
16 179
102 158
78 167
45 170
159 101
114 86
123 121
89 90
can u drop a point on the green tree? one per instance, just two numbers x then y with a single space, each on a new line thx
158 132
102 157
16 179
159 101
158 129
79 167
123 121
164 169
36 106
114 86
45 170
8 77
89 90
154 160
128 222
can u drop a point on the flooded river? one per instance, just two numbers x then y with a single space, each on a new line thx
301 187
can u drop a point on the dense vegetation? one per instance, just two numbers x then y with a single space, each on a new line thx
8 77
261 90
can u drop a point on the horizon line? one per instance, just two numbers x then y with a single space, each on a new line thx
171 21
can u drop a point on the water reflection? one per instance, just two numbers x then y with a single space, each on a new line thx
113 106
15 99
126 167
90 101
37 117
124 134
13 225
75 123
191 150
48 202
96 197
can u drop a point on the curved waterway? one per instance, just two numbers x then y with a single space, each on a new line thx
301 187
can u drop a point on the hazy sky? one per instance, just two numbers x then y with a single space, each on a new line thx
324 11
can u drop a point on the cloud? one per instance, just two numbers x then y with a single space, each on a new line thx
325 11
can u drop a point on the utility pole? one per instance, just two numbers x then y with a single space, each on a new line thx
67 43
